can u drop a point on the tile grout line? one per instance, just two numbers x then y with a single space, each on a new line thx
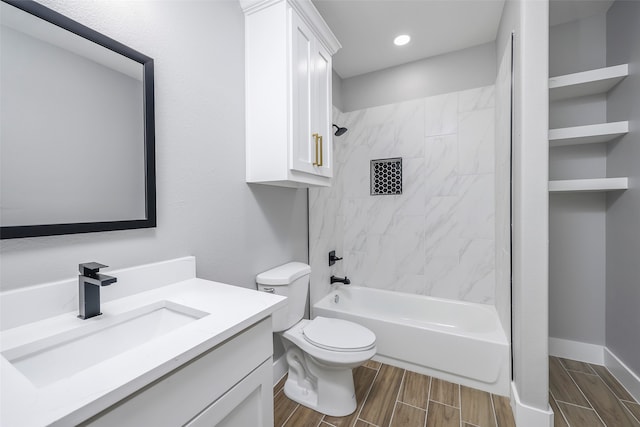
579 389
584 407
395 405
593 372
584 395
621 401
460 402
290 415
627 408
426 410
624 407
366 396
584 373
444 404
559 408
572 404
493 407
410 405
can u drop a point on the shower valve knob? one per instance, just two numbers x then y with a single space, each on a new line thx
333 258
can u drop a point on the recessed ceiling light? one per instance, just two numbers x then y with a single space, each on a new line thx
401 40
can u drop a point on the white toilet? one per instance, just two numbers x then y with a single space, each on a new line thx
322 352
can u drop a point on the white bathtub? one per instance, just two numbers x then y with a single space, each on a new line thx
453 340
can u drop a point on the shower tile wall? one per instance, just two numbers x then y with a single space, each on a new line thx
437 238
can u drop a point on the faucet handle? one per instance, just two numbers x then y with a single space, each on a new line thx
90 268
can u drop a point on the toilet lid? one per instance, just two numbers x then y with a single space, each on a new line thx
338 335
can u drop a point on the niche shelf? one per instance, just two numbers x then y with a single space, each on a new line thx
588 185
590 134
590 82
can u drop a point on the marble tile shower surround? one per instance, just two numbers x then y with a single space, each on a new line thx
437 238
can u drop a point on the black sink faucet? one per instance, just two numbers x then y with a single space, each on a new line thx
335 279
89 282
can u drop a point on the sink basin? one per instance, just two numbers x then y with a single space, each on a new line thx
59 356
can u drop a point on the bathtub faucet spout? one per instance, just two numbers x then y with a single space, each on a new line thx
335 279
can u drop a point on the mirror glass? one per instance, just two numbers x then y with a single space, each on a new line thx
76 127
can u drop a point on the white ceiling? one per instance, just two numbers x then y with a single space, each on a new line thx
366 28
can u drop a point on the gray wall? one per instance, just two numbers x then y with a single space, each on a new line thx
204 206
577 46
451 72
577 256
623 215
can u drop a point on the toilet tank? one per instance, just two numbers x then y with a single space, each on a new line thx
292 281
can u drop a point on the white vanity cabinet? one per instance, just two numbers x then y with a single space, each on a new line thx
229 385
288 49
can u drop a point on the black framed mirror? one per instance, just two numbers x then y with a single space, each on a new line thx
77 129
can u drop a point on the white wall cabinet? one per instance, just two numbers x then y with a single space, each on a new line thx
228 386
288 49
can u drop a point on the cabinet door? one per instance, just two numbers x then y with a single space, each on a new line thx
248 404
302 142
321 109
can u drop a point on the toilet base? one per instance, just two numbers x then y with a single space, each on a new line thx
330 391
321 379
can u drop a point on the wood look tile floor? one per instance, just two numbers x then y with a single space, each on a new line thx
392 397
585 395
580 394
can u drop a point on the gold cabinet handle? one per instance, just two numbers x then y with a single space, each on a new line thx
321 159
315 137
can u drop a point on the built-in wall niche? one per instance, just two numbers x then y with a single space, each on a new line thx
77 122
386 176
575 85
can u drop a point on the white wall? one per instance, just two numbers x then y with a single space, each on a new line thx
577 256
437 237
450 72
204 206
530 21
623 214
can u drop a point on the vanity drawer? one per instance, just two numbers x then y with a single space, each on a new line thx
178 397
249 403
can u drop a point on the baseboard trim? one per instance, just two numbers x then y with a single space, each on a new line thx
528 416
280 368
575 350
626 376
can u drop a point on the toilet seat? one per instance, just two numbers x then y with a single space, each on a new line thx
338 335
328 357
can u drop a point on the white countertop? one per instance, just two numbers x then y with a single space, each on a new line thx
86 393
